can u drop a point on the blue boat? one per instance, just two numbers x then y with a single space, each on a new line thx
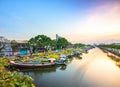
60 62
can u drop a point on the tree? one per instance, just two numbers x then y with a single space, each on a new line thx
62 42
32 45
53 44
43 40
45 43
14 45
39 42
79 45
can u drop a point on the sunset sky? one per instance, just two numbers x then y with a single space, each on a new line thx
85 21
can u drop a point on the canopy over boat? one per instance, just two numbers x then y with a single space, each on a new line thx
51 59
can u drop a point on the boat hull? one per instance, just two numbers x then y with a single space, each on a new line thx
29 66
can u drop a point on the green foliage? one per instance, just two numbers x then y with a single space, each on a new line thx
62 42
116 46
36 59
14 43
53 44
40 41
13 79
5 62
79 45
43 41
43 59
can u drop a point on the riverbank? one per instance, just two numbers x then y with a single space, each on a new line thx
115 56
26 80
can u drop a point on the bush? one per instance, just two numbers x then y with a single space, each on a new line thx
13 79
54 56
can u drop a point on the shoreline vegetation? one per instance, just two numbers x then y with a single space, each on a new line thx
10 76
113 51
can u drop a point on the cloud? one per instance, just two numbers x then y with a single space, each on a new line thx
101 24
104 19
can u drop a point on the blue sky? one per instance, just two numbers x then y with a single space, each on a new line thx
23 19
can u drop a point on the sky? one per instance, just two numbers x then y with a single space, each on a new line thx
79 21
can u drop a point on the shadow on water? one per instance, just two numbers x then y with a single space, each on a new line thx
43 70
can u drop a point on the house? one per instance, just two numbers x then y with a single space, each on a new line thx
6 49
22 48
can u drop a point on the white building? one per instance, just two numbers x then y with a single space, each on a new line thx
57 37
6 46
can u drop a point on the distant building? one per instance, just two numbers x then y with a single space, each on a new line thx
22 48
6 46
57 37
6 49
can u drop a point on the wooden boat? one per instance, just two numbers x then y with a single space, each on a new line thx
31 65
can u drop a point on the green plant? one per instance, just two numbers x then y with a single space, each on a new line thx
13 79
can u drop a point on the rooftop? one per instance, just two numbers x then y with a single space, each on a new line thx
22 41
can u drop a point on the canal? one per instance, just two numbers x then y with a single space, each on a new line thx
95 69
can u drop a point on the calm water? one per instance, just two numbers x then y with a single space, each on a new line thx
95 69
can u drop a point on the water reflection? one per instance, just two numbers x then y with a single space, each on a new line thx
63 67
95 69
40 71
101 72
